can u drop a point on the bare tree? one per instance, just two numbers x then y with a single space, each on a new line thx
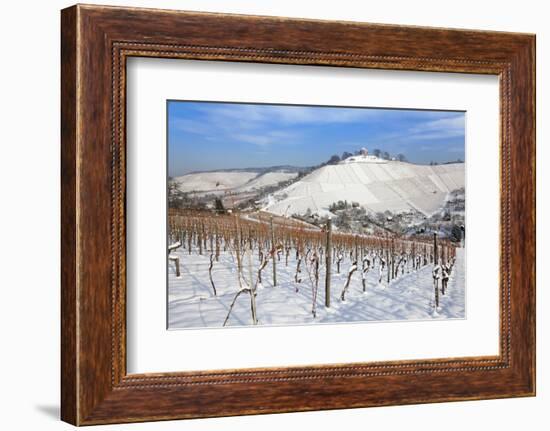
210 273
436 274
313 273
338 261
352 269
298 273
246 288
328 262
364 272
381 268
401 157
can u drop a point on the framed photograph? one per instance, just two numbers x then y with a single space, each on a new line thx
259 198
264 215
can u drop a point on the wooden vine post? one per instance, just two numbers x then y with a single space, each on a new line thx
238 247
217 244
199 239
436 255
392 254
436 262
328 263
388 268
252 289
273 248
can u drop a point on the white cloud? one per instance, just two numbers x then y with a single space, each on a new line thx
191 126
265 125
256 115
254 124
267 137
439 129
442 128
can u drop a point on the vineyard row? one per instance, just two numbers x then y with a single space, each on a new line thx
311 248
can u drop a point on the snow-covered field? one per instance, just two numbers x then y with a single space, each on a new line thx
376 185
213 181
266 180
192 304
235 181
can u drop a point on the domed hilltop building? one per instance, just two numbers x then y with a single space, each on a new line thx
363 157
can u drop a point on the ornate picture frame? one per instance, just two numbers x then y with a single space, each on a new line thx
96 41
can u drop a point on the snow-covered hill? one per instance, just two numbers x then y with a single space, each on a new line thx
234 181
376 184
266 180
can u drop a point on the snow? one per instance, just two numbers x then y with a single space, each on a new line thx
266 180
192 304
363 158
174 246
214 181
235 181
376 185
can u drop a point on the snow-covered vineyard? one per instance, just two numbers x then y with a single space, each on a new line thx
377 185
234 270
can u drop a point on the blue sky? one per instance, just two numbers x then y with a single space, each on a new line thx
209 135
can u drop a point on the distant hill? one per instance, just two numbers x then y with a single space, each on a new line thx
260 170
235 180
374 183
